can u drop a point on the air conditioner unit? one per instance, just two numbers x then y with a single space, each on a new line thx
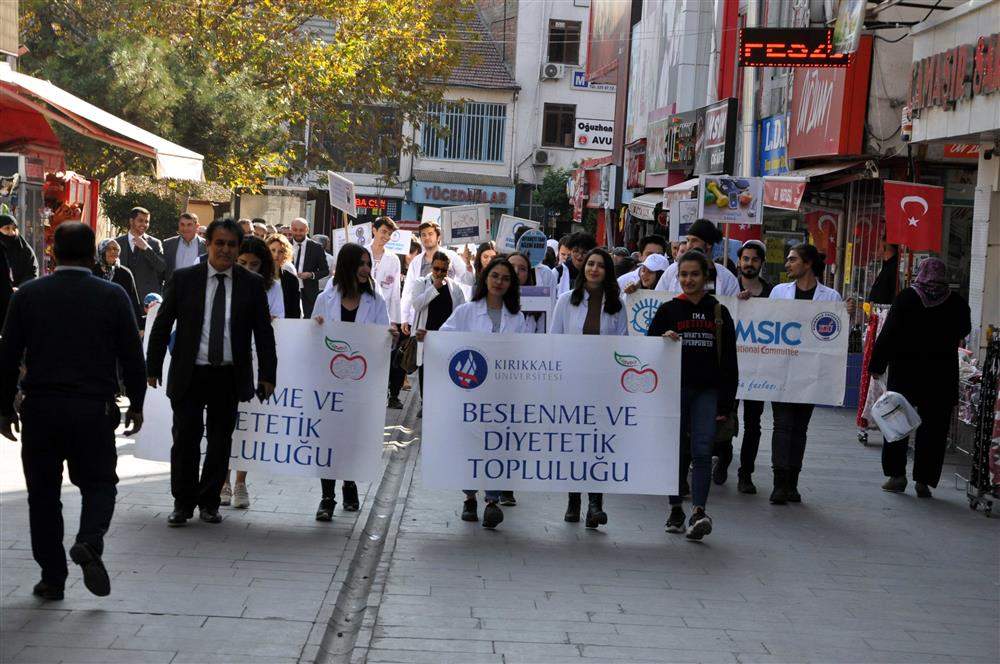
552 71
541 158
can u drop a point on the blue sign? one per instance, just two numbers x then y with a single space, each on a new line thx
580 83
468 369
774 145
441 194
532 244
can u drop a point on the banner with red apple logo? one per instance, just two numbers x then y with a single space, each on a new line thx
551 413
327 415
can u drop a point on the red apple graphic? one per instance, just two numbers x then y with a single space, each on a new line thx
637 377
639 380
346 364
348 367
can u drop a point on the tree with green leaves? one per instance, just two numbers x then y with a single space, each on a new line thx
237 80
552 194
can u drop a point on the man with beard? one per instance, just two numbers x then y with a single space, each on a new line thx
751 258
20 257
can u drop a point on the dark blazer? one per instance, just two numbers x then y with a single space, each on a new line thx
290 294
123 277
148 267
184 303
6 285
170 252
20 258
73 330
315 262
919 347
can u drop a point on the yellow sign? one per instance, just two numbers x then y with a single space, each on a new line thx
848 255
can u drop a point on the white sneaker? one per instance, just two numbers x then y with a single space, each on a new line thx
226 495
241 499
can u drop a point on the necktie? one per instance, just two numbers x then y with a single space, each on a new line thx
299 255
217 329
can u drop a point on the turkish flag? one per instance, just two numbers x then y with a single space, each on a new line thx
913 215
744 232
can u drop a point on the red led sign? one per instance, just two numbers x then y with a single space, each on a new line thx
789 47
369 203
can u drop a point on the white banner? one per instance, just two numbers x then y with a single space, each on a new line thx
505 231
399 243
341 193
551 413
465 224
793 351
327 415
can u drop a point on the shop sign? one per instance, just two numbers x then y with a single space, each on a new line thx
715 146
635 163
594 134
730 200
962 151
784 193
436 193
789 47
828 108
580 83
774 145
958 74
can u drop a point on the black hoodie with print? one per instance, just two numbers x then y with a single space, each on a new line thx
700 366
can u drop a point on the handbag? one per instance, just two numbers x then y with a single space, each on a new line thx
729 428
408 354
895 417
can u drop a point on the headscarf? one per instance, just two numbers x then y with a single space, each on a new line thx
106 269
931 283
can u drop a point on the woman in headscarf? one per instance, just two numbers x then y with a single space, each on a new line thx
109 268
919 346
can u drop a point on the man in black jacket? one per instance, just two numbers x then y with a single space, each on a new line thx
72 329
142 254
309 261
20 256
217 306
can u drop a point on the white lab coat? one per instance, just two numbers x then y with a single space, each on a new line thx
786 291
424 293
565 284
473 317
628 278
372 310
726 282
456 269
387 275
569 318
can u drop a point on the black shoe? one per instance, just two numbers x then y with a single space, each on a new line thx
923 491
210 516
470 512
596 516
350 492
47 591
895 485
699 525
779 495
573 508
95 576
745 485
492 515
178 518
395 403
675 522
507 499
793 487
325 510
720 472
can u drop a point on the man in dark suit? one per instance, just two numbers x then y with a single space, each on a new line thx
309 261
142 254
217 306
186 248
72 329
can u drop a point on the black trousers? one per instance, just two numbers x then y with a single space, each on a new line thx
752 411
208 407
81 433
330 487
788 444
396 374
929 445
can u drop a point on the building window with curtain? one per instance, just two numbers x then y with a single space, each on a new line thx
473 131
558 122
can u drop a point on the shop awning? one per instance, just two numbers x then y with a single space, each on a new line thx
819 170
784 193
685 186
644 207
172 160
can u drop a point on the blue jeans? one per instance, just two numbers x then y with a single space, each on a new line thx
698 411
491 496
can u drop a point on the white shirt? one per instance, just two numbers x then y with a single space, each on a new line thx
206 323
299 257
276 300
569 318
726 282
786 291
132 238
371 309
473 317
386 271
187 253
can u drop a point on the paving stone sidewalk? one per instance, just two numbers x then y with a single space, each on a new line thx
853 574
258 587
